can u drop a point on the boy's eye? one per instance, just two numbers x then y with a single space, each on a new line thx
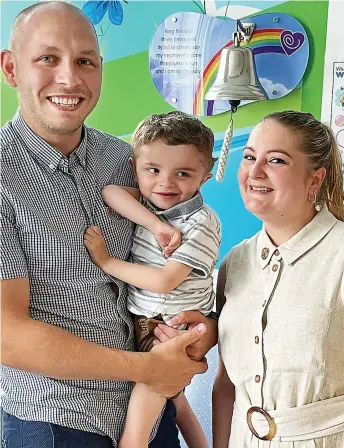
183 174
153 170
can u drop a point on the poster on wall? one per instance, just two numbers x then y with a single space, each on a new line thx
185 56
337 106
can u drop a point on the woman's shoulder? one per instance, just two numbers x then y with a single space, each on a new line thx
242 251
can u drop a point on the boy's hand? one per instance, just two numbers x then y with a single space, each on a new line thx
168 237
95 244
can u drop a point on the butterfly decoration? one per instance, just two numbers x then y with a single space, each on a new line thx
97 10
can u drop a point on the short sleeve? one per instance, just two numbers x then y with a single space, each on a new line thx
123 175
221 285
13 261
200 245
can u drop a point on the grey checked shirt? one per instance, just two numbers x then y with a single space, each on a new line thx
48 201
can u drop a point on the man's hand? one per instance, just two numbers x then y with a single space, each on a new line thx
95 244
199 348
171 368
168 237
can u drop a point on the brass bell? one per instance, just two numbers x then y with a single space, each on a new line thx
236 78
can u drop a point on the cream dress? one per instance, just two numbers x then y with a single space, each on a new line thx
281 331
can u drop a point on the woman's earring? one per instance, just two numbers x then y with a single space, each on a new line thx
313 200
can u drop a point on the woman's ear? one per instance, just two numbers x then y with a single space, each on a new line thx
317 179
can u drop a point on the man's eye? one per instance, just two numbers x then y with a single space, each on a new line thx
153 170
85 62
47 59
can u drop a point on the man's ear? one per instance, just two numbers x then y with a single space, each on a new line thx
7 65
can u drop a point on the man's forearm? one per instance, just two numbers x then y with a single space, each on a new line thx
48 350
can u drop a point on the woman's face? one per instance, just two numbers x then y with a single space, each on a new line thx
274 175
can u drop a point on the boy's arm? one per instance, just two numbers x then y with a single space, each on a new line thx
160 280
125 201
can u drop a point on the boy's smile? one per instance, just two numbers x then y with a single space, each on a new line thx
169 175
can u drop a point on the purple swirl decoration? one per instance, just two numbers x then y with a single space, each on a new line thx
291 42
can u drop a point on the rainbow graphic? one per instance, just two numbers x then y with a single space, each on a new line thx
265 40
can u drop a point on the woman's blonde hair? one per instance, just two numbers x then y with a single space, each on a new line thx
319 143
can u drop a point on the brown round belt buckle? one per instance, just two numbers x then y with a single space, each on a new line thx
269 419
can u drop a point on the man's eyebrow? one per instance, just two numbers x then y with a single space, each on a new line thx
51 48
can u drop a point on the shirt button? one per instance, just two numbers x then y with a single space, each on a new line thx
51 166
257 378
265 253
275 267
141 230
256 339
276 253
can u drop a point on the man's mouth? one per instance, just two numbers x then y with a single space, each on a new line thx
66 102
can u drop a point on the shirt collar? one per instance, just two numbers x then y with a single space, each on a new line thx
179 210
43 152
300 243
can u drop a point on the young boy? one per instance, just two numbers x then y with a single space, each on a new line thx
172 158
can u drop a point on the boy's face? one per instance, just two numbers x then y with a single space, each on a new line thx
168 175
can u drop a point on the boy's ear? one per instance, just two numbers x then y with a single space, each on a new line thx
205 178
132 164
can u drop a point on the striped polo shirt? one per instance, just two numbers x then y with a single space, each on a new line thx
47 203
201 234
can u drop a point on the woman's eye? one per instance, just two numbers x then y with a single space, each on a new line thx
248 157
153 170
277 160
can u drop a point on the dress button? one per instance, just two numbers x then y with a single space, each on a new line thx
256 339
265 253
275 267
276 252
257 378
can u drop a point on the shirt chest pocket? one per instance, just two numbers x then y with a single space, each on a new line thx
295 339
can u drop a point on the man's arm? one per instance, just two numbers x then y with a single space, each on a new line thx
160 280
48 350
125 201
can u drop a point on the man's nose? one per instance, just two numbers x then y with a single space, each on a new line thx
68 74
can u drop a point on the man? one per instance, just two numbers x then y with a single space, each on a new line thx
67 337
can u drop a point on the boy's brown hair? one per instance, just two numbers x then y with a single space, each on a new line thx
176 128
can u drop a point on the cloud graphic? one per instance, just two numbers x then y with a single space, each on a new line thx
270 87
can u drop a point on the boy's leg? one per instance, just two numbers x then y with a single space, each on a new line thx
167 434
188 424
143 411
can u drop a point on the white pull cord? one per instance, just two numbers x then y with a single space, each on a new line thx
224 152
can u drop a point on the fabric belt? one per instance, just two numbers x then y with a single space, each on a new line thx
309 421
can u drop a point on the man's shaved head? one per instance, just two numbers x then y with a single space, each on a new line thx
54 63
25 15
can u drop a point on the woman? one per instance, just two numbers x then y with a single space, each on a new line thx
280 380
